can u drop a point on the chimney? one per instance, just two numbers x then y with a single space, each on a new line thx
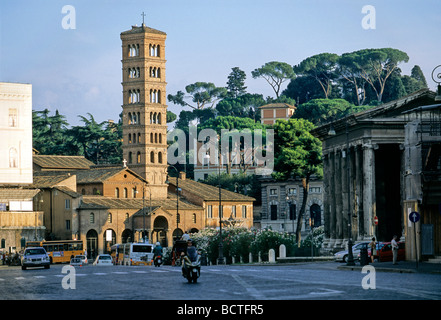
182 175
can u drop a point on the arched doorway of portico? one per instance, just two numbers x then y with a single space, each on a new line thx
160 229
127 236
92 244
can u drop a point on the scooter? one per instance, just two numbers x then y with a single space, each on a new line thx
191 270
157 261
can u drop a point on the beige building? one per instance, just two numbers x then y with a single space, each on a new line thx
132 201
144 109
269 113
20 218
15 133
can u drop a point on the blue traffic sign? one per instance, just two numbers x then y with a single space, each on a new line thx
414 217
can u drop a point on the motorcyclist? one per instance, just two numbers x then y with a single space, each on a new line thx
190 255
157 251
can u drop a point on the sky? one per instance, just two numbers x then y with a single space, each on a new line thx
78 71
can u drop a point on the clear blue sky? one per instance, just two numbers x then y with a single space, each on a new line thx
79 71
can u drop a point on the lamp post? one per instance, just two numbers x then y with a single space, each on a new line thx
436 76
177 198
220 259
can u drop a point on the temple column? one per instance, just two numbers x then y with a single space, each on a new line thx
369 209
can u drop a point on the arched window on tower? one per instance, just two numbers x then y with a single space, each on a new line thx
13 158
138 157
152 157
159 157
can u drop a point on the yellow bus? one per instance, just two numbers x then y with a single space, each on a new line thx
59 251
132 254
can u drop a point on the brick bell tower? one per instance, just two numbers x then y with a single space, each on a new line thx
144 109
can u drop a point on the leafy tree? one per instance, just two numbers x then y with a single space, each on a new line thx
49 132
320 67
377 65
275 73
320 111
303 89
171 116
242 106
417 74
297 154
234 125
236 83
201 94
350 70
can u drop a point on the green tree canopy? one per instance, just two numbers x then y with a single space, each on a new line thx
236 83
275 73
320 111
297 154
320 67
200 94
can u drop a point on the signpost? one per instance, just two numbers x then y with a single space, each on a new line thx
414 217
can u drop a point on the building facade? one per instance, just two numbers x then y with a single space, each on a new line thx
363 164
20 217
281 203
270 113
144 105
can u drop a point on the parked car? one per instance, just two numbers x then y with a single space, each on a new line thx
76 262
384 252
83 258
35 257
103 260
342 256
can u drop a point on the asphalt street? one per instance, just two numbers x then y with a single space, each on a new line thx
302 281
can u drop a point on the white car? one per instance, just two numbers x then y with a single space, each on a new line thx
83 258
342 256
103 260
35 257
76 262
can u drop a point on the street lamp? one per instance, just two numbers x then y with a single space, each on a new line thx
436 76
220 259
177 199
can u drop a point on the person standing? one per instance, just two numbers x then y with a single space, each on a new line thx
373 246
394 249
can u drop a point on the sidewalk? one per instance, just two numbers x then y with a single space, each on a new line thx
401 267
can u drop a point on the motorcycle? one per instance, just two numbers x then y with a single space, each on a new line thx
191 270
157 261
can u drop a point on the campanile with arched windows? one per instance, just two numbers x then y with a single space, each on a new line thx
144 106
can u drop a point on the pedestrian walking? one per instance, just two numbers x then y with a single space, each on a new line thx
373 246
394 249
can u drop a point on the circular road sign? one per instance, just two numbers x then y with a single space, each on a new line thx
414 216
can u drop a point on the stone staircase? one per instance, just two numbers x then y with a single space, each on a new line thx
436 259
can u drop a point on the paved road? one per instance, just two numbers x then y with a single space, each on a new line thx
318 281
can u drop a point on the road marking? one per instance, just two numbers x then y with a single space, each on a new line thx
251 290
100 273
19 278
326 292
139 271
120 272
40 277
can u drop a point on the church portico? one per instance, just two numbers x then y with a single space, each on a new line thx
363 157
